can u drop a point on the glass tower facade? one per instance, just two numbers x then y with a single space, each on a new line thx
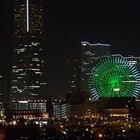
90 53
28 80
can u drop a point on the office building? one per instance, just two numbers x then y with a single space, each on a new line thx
60 109
28 80
134 61
73 75
89 56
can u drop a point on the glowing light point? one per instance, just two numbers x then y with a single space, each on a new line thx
116 89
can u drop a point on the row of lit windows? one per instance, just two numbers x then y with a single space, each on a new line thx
30 87
20 50
30 101
40 106
17 70
35 59
37 82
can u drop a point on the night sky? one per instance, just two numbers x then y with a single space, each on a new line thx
67 23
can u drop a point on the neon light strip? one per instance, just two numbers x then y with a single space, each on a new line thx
27 14
85 43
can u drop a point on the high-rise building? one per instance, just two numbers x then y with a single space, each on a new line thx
89 56
136 62
73 75
1 91
28 80
133 60
4 85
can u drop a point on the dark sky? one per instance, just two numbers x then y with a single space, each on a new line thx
67 23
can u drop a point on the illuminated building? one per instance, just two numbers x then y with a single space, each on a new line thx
73 75
134 61
28 80
89 56
60 109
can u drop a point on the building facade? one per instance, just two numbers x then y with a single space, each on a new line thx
73 75
2 99
60 109
90 53
28 80
134 61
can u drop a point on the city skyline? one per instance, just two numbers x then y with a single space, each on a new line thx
67 24
69 69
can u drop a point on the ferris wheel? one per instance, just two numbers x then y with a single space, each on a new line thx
114 76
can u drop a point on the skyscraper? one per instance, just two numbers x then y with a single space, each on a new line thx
136 62
73 75
28 80
89 56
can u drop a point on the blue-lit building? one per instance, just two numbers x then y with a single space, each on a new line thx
89 56
28 79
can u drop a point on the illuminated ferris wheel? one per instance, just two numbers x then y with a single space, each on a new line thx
114 76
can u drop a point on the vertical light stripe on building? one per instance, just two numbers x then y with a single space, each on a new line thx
27 14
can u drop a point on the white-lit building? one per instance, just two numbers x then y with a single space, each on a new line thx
60 109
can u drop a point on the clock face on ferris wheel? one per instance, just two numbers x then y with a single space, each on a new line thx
114 76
